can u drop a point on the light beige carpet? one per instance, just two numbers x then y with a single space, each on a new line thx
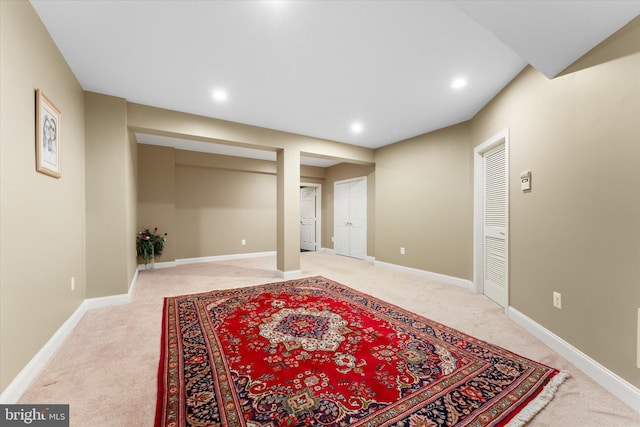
107 368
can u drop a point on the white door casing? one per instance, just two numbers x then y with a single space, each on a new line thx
308 218
350 217
491 222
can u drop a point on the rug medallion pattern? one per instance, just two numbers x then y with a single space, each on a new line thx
312 352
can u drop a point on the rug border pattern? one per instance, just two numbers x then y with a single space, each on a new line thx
172 408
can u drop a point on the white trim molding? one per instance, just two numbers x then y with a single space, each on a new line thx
616 385
185 261
21 382
166 264
443 278
289 275
17 387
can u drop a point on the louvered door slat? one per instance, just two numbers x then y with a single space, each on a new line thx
495 225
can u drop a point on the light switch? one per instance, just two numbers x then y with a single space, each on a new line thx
525 181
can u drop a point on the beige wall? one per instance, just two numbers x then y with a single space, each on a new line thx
157 193
209 203
289 147
217 208
131 203
578 231
424 202
42 219
110 180
338 173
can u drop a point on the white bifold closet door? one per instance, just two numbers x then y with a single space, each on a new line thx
350 218
495 225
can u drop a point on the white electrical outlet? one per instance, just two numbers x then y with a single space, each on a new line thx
73 283
333 239
401 251
244 242
557 299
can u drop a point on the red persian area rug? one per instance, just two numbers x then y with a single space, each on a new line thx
312 352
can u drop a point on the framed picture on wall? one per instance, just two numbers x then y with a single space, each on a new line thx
47 136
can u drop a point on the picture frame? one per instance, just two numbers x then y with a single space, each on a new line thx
47 136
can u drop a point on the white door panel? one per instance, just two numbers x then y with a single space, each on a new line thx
308 218
495 200
350 218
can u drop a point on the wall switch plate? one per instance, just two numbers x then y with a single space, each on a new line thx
557 299
525 181
73 283
244 242
401 251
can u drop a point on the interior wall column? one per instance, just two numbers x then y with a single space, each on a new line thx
107 175
288 229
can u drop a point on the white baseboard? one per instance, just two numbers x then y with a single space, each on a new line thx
290 275
617 386
449 280
20 383
17 387
216 258
328 250
166 264
132 285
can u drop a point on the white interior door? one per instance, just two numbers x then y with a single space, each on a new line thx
494 240
308 218
358 219
350 218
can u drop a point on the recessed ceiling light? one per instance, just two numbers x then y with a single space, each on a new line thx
459 83
220 94
357 127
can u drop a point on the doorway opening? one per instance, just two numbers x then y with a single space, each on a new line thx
310 217
491 218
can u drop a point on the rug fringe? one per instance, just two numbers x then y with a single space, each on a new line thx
536 405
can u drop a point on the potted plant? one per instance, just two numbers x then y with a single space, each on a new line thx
149 244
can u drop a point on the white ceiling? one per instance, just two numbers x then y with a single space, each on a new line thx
315 67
